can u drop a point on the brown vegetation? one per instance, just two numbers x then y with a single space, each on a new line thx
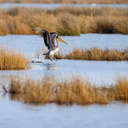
64 20
96 54
10 60
75 91
67 1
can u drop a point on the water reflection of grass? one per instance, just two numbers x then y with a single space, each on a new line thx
64 20
96 54
68 1
10 60
75 91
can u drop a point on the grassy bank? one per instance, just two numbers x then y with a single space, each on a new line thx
65 20
68 1
75 91
96 54
10 60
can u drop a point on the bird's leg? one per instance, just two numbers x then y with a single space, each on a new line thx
54 58
51 58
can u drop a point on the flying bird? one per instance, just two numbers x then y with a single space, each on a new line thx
49 41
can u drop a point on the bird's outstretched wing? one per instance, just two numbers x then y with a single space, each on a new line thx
47 39
53 36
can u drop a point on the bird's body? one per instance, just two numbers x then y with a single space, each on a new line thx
49 40
50 54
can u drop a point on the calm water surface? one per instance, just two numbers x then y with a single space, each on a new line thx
95 71
35 5
99 73
31 44
16 114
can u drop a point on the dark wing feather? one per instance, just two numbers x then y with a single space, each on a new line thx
47 40
53 36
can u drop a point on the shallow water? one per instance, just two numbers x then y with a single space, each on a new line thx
16 114
95 71
35 5
99 73
31 44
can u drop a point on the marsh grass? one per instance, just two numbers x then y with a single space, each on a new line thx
64 20
75 91
121 90
30 91
10 60
96 54
69 25
103 25
3 28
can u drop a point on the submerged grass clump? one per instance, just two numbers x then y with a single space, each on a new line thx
64 20
96 54
10 60
75 91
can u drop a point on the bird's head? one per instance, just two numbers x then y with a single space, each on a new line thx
39 31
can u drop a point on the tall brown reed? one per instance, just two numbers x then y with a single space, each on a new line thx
75 91
68 25
11 60
96 54
65 20
29 91
121 89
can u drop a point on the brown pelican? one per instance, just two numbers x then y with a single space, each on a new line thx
49 41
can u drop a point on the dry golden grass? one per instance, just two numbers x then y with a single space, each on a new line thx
68 1
75 91
121 90
96 54
69 25
30 91
78 11
103 25
10 60
64 20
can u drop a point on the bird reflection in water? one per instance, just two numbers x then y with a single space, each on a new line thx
50 66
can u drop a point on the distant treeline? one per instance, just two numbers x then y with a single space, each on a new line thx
64 20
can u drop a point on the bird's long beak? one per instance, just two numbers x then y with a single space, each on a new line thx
59 39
